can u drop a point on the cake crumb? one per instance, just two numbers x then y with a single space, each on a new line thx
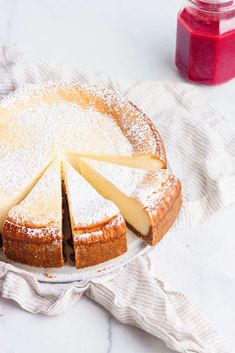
48 275
101 269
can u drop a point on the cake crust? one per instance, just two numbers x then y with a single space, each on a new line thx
97 245
39 247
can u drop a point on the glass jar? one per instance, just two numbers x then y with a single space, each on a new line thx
205 45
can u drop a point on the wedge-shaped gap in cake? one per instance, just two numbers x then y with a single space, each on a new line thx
32 231
98 229
149 200
68 247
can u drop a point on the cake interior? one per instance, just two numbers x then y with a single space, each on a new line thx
142 162
131 209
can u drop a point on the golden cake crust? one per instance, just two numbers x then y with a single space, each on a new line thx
101 243
39 247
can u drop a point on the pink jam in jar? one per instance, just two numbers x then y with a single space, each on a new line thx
205 45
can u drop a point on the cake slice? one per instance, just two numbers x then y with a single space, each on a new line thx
32 231
98 229
149 200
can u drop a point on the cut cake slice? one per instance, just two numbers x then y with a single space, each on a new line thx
149 200
98 229
32 231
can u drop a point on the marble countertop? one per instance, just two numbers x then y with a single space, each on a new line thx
136 39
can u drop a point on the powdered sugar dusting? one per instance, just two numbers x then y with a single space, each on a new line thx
43 205
33 137
20 167
86 206
134 124
69 128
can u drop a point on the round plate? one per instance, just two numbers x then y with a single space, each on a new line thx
68 273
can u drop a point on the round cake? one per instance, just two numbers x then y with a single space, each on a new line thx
50 137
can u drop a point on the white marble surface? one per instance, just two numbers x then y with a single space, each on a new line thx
136 39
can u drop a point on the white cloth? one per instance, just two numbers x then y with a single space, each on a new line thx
201 149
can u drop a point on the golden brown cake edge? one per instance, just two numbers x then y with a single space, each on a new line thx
94 248
21 246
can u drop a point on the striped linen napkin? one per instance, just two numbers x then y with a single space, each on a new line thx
201 150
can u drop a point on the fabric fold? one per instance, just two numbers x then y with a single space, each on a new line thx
134 297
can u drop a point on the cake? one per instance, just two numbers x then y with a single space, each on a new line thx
33 228
148 200
98 229
38 123
42 125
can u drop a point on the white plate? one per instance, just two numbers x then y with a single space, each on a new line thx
69 273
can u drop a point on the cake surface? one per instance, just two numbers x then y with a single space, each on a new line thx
98 229
149 200
32 232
